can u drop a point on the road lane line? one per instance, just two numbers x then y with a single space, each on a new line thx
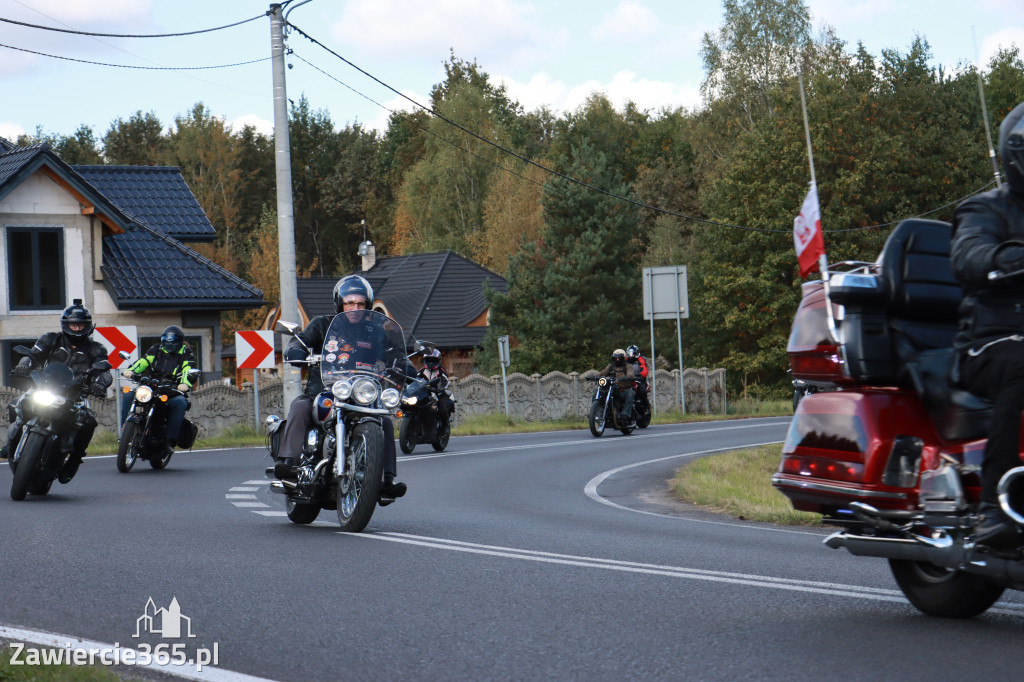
811 587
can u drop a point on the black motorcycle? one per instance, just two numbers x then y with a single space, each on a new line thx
143 435
51 412
606 407
342 460
422 421
641 405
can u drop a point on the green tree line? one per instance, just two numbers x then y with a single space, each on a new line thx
588 198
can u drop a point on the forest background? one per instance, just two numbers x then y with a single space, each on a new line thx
570 208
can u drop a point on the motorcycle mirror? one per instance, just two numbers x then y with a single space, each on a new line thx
289 328
101 366
123 354
23 350
193 376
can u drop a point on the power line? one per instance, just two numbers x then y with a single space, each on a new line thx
132 35
131 66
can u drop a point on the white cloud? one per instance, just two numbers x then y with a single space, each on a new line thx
379 121
261 124
622 88
630 21
991 43
11 130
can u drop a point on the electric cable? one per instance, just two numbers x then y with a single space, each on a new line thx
132 66
132 35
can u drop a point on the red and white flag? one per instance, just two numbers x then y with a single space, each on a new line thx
807 236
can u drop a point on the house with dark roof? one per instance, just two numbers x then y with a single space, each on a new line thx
436 297
113 236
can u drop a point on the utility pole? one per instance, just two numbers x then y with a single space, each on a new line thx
285 212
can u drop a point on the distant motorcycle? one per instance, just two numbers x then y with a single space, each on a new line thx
422 421
143 435
606 407
51 412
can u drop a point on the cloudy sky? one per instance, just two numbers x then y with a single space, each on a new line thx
552 53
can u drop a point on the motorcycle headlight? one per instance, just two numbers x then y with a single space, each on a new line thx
390 397
143 394
341 389
602 381
46 399
364 391
409 399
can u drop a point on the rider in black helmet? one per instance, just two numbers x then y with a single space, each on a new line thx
988 235
73 346
352 295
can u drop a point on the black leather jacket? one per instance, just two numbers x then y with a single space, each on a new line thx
56 347
990 310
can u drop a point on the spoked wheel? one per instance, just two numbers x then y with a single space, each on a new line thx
302 512
596 420
28 463
406 439
943 592
162 462
444 432
359 486
129 446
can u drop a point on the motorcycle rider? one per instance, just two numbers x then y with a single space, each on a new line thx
623 373
352 294
988 235
432 369
640 369
170 359
73 346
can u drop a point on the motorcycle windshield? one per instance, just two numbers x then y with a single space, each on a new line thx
54 377
361 342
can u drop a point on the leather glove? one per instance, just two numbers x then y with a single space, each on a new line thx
1010 257
21 370
97 391
183 387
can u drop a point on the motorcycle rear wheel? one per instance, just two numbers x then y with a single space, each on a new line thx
28 463
357 501
644 420
596 420
129 446
302 512
943 592
406 439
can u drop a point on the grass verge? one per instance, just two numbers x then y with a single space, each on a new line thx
739 484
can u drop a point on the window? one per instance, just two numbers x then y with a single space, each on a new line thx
35 267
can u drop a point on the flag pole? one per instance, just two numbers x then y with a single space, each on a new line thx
984 112
823 258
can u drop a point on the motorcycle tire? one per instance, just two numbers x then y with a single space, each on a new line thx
40 488
129 447
626 430
596 420
444 432
644 420
406 439
302 512
161 462
358 499
28 463
943 592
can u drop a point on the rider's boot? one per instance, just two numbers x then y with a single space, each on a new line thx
995 529
70 467
390 491
285 467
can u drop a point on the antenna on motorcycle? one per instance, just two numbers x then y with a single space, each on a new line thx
984 112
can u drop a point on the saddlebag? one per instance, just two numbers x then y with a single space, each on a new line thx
187 435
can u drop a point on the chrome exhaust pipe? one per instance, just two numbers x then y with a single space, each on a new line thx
281 487
1011 494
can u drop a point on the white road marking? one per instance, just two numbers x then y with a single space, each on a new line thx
250 504
265 481
808 586
239 497
243 489
270 513
58 641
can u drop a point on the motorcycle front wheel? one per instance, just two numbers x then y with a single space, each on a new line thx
406 439
596 420
301 512
943 592
444 432
128 447
644 420
162 461
359 487
28 462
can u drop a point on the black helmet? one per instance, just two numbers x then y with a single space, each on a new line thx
632 352
76 313
171 339
1011 148
432 359
353 285
618 356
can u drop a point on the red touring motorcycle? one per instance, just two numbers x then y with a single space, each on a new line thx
890 450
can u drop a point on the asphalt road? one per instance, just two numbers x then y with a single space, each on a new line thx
534 556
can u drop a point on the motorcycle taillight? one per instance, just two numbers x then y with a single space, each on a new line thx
813 354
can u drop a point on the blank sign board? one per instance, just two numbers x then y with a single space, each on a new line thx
665 292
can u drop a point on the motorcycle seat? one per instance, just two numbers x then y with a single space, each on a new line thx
957 414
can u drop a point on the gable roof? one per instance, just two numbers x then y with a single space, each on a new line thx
6 145
156 195
21 162
145 269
